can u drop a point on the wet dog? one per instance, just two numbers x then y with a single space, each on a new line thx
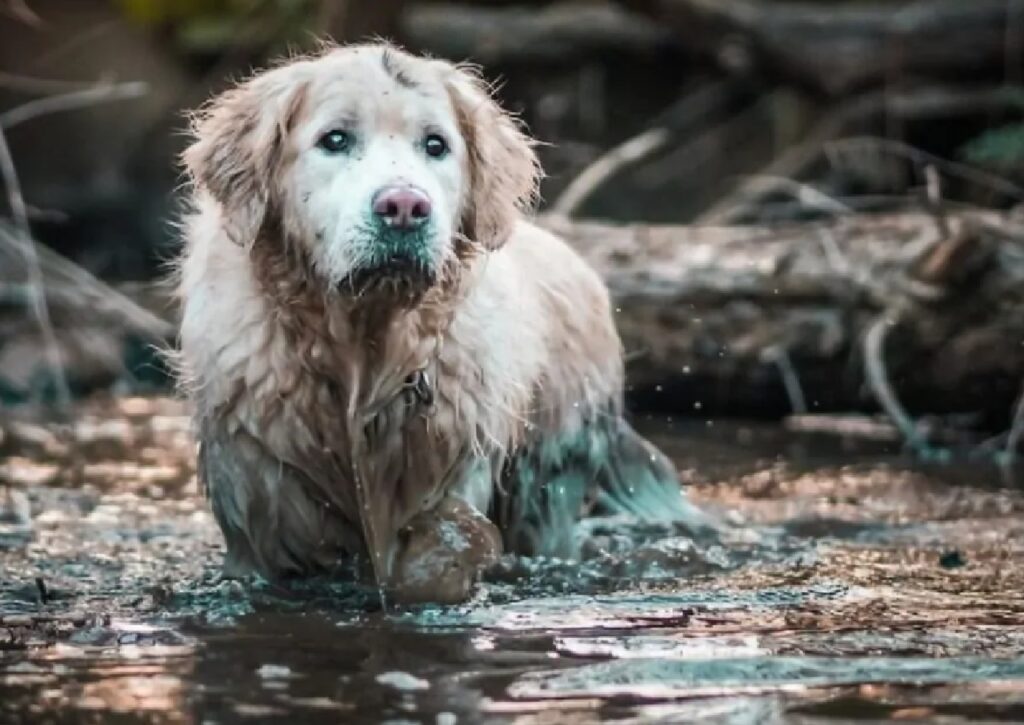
389 364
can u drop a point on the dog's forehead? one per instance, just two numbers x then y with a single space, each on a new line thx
376 83
380 72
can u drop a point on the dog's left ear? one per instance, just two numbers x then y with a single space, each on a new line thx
503 168
238 143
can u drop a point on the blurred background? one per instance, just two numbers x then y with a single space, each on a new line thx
809 215
801 207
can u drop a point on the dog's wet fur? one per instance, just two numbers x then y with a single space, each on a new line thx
303 320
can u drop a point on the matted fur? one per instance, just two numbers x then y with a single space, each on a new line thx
310 451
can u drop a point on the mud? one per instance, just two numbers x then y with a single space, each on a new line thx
850 586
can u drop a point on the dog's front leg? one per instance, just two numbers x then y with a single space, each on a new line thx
273 519
441 553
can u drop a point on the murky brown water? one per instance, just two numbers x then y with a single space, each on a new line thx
852 588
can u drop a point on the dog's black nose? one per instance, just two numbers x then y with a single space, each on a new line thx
401 207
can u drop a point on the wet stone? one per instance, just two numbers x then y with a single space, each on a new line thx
274 672
402 681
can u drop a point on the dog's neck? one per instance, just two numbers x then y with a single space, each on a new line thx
368 345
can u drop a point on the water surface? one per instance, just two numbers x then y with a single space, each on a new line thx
851 586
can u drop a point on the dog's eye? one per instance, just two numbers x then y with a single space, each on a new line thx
435 146
335 142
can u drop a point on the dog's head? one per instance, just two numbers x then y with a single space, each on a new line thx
379 165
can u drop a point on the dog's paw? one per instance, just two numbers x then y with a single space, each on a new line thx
441 554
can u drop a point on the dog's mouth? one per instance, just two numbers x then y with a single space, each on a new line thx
400 276
400 266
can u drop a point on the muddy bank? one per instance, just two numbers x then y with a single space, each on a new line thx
851 586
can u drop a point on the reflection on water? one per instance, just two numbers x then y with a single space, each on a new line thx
848 586
658 678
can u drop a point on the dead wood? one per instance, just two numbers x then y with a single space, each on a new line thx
693 110
830 139
73 293
562 32
90 325
751 320
716 319
839 47
356 20
22 266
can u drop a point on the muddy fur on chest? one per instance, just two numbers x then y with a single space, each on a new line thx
299 513
326 267
303 519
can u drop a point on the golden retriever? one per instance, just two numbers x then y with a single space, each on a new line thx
391 367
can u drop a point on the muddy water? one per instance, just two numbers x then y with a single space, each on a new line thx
849 587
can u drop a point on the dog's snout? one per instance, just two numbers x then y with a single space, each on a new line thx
401 207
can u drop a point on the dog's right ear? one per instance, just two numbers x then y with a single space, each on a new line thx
238 143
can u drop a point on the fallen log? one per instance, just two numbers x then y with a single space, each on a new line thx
754 320
837 48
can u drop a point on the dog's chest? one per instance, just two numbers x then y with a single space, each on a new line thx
405 445
404 417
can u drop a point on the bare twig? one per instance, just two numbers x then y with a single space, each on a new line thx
854 145
836 259
19 10
790 380
592 177
878 380
43 86
942 101
865 203
84 38
103 93
21 237
762 184
684 112
689 157
925 103
1016 433
933 186
68 285
791 163
845 425
37 300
